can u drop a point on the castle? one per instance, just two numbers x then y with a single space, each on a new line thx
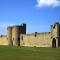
16 36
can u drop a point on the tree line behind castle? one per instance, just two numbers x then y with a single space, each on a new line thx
16 36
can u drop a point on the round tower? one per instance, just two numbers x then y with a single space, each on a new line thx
9 36
16 35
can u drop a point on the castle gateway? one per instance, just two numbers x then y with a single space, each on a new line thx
16 36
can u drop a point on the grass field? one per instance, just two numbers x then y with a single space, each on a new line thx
29 53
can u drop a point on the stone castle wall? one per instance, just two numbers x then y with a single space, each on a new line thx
38 40
3 40
16 36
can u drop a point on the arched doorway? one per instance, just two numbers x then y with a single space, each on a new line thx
54 43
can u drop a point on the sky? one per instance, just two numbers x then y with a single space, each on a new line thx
37 14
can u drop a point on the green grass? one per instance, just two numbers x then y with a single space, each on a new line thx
29 53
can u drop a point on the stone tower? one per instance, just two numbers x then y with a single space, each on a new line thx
55 34
14 34
9 36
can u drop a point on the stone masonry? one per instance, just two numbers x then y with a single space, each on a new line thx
16 36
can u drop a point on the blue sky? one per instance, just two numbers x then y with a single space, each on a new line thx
37 14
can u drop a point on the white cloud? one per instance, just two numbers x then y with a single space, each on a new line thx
46 3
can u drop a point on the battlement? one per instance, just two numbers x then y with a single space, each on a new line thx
36 33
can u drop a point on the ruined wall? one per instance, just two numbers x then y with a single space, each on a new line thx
16 36
16 31
3 40
38 40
